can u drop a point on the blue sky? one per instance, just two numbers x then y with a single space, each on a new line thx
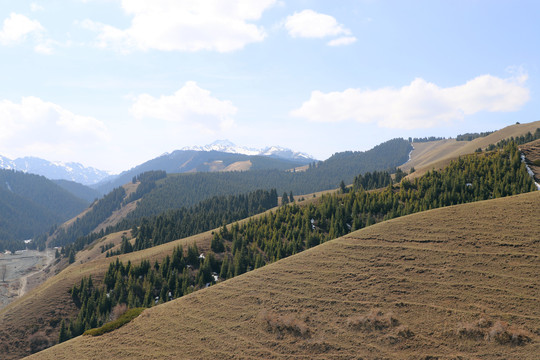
112 84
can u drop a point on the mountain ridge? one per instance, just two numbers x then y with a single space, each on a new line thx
55 170
272 151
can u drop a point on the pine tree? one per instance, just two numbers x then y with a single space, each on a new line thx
63 332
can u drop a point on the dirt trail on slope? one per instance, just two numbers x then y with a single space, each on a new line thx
48 259
20 267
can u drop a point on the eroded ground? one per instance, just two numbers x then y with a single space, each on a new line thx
22 272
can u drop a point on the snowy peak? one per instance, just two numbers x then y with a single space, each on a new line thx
271 151
278 151
224 146
55 170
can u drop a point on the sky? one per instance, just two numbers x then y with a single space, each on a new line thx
112 84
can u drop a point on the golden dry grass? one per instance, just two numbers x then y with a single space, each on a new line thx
437 154
421 276
239 166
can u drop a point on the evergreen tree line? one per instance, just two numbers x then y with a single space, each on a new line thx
158 193
292 229
519 140
142 285
472 136
176 224
147 182
84 225
426 139
208 214
189 189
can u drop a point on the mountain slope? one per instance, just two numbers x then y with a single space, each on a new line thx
31 204
437 153
435 273
79 190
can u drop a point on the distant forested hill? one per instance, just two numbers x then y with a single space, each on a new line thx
183 161
31 204
188 189
79 190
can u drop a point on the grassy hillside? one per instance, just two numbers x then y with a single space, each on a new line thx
17 332
428 285
437 153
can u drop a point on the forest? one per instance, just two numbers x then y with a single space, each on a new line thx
189 189
29 205
290 229
158 192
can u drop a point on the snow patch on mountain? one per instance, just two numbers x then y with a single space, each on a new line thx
55 170
271 151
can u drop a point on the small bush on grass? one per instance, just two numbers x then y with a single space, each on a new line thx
38 342
375 319
502 333
284 323
499 332
113 325
404 331
473 330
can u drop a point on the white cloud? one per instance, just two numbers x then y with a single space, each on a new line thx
342 41
310 24
418 105
190 105
36 7
17 27
167 25
45 129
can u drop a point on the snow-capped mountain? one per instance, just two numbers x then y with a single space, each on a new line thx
271 151
55 170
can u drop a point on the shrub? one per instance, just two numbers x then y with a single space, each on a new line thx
118 311
404 332
284 323
499 332
113 325
503 334
375 319
38 342
473 330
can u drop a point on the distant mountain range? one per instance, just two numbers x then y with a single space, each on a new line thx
72 171
271 151
55 170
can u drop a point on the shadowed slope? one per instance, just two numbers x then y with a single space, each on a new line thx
430 274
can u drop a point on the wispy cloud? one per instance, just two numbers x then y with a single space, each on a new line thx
420 104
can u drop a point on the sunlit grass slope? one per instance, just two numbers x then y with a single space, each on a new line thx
438 153
442 284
